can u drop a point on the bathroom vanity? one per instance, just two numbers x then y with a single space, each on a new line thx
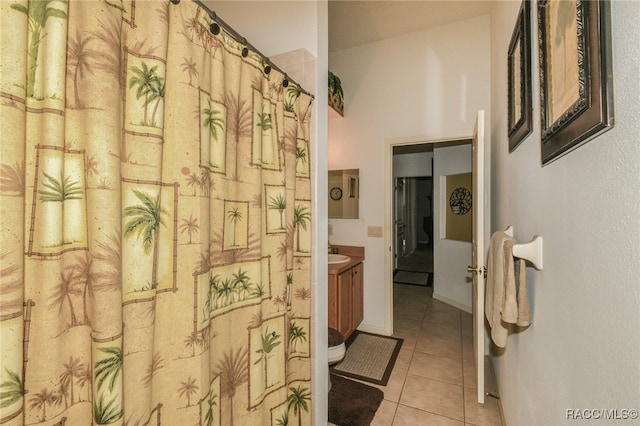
346 289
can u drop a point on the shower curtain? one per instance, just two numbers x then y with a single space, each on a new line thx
155 204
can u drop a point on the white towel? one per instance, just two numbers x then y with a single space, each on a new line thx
506 295
515 307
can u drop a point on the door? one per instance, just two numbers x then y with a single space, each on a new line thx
345 303
399 220
478 251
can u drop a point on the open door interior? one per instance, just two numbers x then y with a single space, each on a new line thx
400 219
478 255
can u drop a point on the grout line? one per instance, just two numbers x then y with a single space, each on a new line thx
395 413
413 351
423 327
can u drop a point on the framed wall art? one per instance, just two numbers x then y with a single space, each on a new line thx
576 76
458 207
520 106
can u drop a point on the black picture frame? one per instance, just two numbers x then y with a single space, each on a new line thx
520 104
576 76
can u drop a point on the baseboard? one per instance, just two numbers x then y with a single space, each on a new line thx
367 328
453 303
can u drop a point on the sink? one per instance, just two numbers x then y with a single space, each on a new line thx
338 258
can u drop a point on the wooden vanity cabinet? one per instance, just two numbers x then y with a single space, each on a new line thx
346 291
358 295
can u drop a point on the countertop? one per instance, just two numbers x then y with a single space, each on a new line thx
338 268
354 252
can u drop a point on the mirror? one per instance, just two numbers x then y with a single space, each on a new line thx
344 193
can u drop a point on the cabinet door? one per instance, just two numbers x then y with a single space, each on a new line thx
345 322
357 295
333 298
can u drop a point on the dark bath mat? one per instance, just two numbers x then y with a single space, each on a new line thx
352 403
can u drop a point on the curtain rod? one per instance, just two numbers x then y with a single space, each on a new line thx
240 39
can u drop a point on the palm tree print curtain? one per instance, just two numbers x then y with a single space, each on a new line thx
155 221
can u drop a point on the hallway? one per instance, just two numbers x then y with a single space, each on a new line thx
433 381
420 260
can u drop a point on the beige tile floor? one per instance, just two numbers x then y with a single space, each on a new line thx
433 381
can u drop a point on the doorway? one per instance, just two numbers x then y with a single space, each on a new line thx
414 230
413 214
418 155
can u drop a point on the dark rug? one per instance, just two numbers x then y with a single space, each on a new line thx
369 357
352 403
411 277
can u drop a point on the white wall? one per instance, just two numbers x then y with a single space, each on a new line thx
412 165
273 27
427 84
583 347
276 27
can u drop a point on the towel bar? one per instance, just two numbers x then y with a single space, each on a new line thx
531 251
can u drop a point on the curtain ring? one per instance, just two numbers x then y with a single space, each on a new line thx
245 50
267 69
175 1
285 82
214 27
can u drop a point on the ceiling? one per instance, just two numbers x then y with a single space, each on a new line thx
356 22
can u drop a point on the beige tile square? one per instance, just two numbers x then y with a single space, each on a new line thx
469 375
436 367
413 290
439 346
433 382
467 334
438 317
404 358
407 416
469 372
434 396
409 339
439 306
385 414
407 323
467 348
411 308
440 329
487 414
394 386
466 326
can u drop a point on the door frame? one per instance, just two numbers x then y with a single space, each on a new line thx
389 227
399 206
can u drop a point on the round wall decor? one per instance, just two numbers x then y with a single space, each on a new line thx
460 201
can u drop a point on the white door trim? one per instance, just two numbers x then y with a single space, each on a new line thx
388 212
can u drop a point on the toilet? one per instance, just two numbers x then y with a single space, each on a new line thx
336 346
336 349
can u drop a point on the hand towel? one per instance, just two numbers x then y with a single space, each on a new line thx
515 306
495 294
506 297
